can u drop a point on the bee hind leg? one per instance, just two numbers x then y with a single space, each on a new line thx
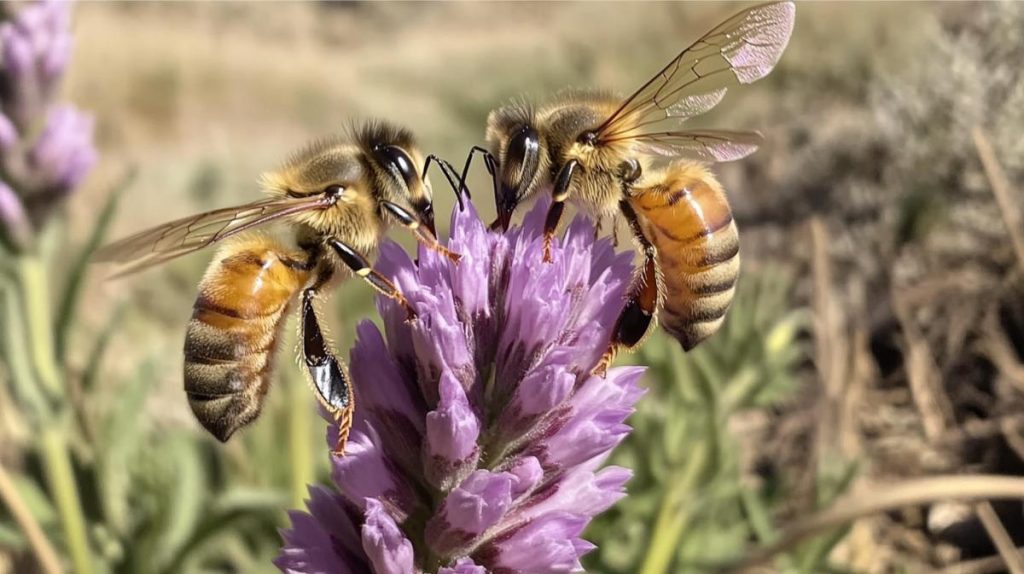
636 317
328 373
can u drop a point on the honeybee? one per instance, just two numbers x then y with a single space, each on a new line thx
597 151
335 200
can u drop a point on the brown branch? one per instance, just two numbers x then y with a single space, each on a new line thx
883 499
1000 537
1001 188
986 565
47 556
923 376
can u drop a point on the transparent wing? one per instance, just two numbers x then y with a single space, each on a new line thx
189 234
741 50
703 145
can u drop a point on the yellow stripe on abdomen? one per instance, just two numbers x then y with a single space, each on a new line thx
232 337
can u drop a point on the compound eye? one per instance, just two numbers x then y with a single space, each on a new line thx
399 162
522 152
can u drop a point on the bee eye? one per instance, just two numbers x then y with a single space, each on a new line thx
398 162
334 190
522 152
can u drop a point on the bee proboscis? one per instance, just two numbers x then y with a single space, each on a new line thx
333 202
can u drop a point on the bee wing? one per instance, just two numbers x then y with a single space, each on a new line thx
704 145
189 234
741 50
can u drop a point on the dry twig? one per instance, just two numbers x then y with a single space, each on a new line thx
1000 537
1005 196
987 565
886 498
47 556
925 380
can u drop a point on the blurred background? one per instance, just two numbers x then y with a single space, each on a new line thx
877 338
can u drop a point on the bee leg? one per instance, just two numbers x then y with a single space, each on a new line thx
423 235
361 267
328 374
638 314
559 194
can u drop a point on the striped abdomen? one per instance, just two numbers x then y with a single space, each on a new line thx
231 339
687 218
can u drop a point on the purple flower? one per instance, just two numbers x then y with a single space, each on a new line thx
13 221
480 430
36 47
46 150
63 155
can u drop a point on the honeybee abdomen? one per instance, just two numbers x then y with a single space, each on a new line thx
232 336
687 218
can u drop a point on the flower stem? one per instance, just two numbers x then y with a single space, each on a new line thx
47 556
674 518
16 353
61 480
300 447
35 300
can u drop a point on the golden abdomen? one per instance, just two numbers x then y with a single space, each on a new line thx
687 218
232 336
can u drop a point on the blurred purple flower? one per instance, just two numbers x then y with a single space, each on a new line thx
63 155
480 430
36 46
13 220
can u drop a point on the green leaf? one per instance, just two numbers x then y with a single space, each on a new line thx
99 349
227 511
757 515
76 278
121 437
186 499
36 500
11 536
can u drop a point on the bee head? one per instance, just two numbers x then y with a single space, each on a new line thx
514 140
394 161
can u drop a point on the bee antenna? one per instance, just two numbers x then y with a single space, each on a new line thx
450 173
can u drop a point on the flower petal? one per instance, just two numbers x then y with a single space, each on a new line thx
581 491
366 473
469 510
64 153
387 399
389 550
594 425
452 432
323 541
549 544
8 134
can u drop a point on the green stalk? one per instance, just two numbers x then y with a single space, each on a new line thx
16 352
61 481
300 442
36 301
673 518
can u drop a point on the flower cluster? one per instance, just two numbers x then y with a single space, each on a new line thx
46 149
480 431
